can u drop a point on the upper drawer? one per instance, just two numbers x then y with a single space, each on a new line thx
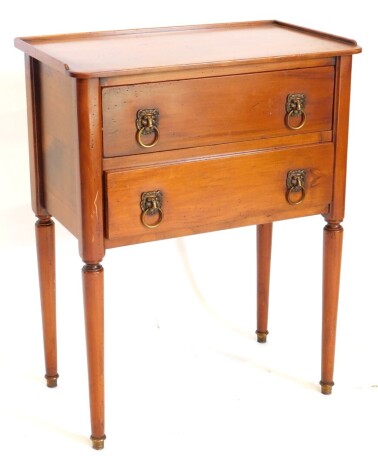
216 110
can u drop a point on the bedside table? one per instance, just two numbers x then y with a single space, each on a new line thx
149 134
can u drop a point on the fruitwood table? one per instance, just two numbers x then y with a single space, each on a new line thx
149 134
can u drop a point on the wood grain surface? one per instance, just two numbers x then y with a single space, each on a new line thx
216 110
216 194
115 53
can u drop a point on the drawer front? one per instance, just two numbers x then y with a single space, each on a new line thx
202 196
216 110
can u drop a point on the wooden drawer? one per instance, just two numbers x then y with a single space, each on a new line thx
216 110
214 194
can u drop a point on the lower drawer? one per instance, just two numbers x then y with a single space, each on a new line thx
220 193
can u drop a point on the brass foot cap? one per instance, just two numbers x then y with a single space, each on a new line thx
51 380
261 336
98 442
326 387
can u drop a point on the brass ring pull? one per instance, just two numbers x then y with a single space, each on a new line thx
295 183
153 143
294 189
149 212
295 112
147 123
151 204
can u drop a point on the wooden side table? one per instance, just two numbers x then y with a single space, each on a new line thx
148 134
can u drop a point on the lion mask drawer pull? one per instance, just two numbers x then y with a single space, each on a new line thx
295 106
147 123
295 182
151 203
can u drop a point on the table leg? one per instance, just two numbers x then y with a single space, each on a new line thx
332 248
264 248
45 241
93 290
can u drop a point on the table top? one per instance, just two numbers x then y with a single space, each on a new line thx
113 53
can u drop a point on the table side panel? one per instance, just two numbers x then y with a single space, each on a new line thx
341 126
34 136
59 146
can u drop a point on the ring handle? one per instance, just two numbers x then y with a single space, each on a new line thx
295 183
152 211
295 112
151 204
153 143
294 189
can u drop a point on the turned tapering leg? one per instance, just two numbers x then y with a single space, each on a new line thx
332 249
45 240
93 290
264 248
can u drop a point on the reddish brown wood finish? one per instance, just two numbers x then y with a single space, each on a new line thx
341 125
44 229
184 47
333 241
45 237
59 147
237 68
91 237
214 151
93 290
34 135
333 231
222 160
195 113
264 249
91 244
219 193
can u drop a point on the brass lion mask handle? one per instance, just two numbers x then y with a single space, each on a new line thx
295 183
295 107
151 204
147 122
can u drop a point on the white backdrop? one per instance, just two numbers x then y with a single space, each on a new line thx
187 384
